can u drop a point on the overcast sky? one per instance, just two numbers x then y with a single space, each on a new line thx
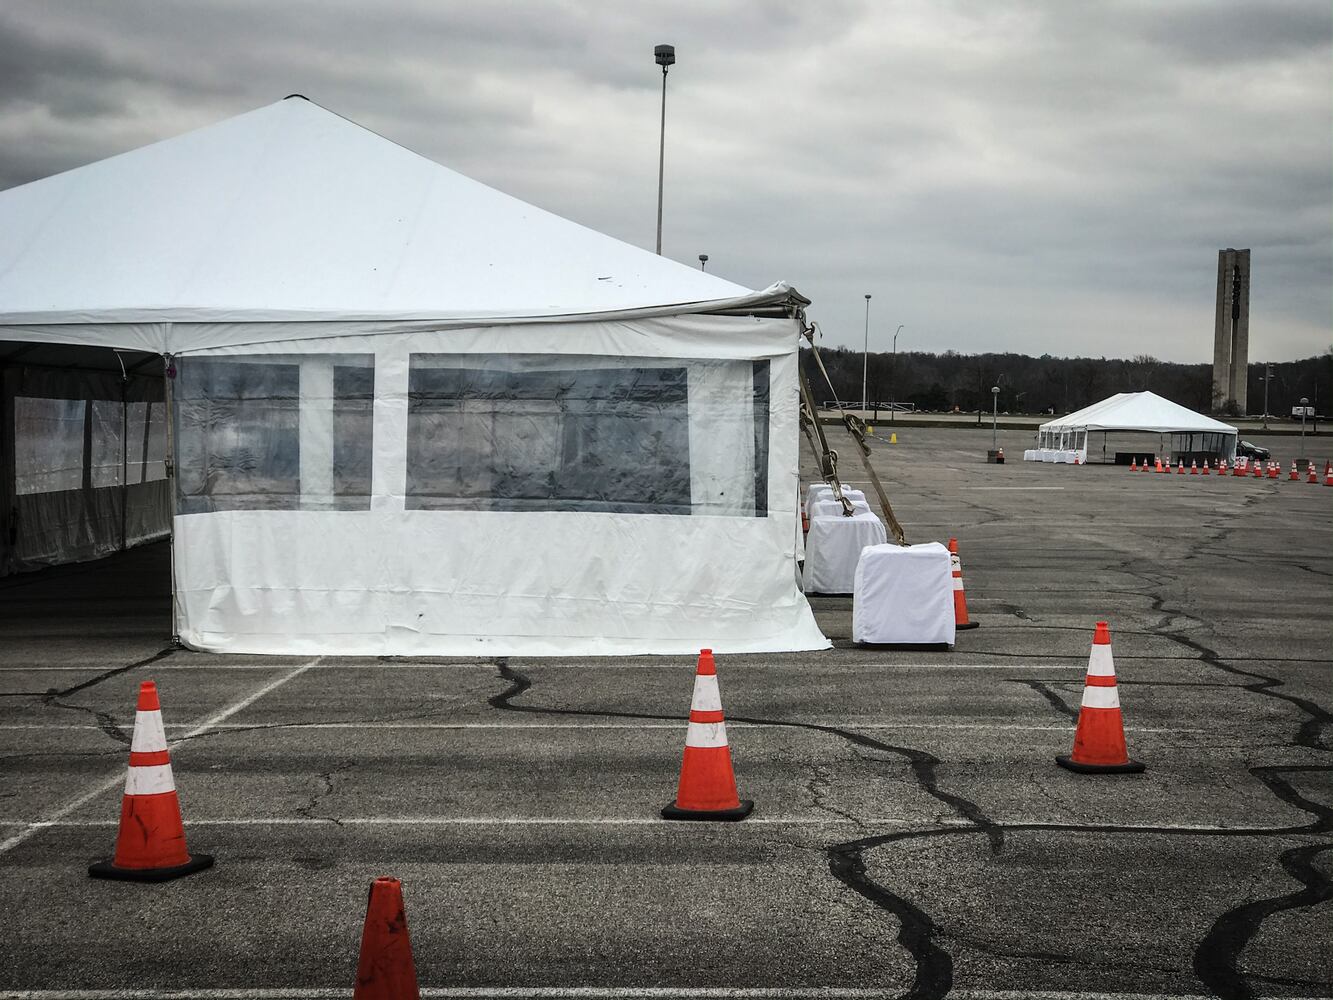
1036 177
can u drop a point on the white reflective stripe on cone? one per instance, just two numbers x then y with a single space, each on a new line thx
706 735
955 564
1100 662
707 698
957 582
1100 697
149 736
152 780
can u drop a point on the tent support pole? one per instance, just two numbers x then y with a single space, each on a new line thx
9 527
168 378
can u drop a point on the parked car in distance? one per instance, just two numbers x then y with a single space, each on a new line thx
1248 450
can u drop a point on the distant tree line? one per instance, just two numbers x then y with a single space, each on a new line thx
941 382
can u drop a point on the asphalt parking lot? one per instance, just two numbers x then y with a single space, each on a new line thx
912 834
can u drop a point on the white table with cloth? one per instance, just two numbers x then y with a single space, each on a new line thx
833 547
903 594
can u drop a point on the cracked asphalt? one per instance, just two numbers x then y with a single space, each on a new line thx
912 835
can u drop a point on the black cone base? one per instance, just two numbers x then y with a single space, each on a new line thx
960 628
673 811
1130 767
105 869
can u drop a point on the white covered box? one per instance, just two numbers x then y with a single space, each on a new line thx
833 547
903 594
823 491
828 507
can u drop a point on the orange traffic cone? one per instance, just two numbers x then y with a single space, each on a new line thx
961 621
1221 466
1310 475
707 788
1194 466
1293 476
1099 741
1328 476
1205 471
1158 467
1257 469
1145 467
1134 464
1180 467
1239 468
150 846
385 970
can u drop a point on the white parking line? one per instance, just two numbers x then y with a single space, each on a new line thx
890 822
848 724
585 993
15 839
880 823
580 664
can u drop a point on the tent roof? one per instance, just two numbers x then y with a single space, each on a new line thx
1138 411
291 212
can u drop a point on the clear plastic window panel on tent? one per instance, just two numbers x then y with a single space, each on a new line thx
588 433
48 444
1205 443
125 444
274 432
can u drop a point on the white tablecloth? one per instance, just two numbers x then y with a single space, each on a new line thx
833 547
903 593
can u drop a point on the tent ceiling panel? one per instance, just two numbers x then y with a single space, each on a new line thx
291 212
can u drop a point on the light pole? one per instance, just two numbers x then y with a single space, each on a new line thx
893 393
703 262
1268 377
865 361
665 56
1304 404
994 418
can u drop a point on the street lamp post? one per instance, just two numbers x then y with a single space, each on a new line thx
665 56
1305 402
893 393
865 362
1268 377
703 262
994 417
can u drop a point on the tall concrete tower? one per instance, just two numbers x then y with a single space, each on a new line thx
1231 333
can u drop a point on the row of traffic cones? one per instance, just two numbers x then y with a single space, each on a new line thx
150 842
1241 468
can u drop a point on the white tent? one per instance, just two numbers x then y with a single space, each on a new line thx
1192 434
413 415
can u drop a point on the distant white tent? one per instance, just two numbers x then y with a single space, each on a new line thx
1193 435
411 414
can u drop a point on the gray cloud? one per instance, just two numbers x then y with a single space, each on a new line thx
1039 176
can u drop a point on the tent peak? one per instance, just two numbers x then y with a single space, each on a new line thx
301 96
294 213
